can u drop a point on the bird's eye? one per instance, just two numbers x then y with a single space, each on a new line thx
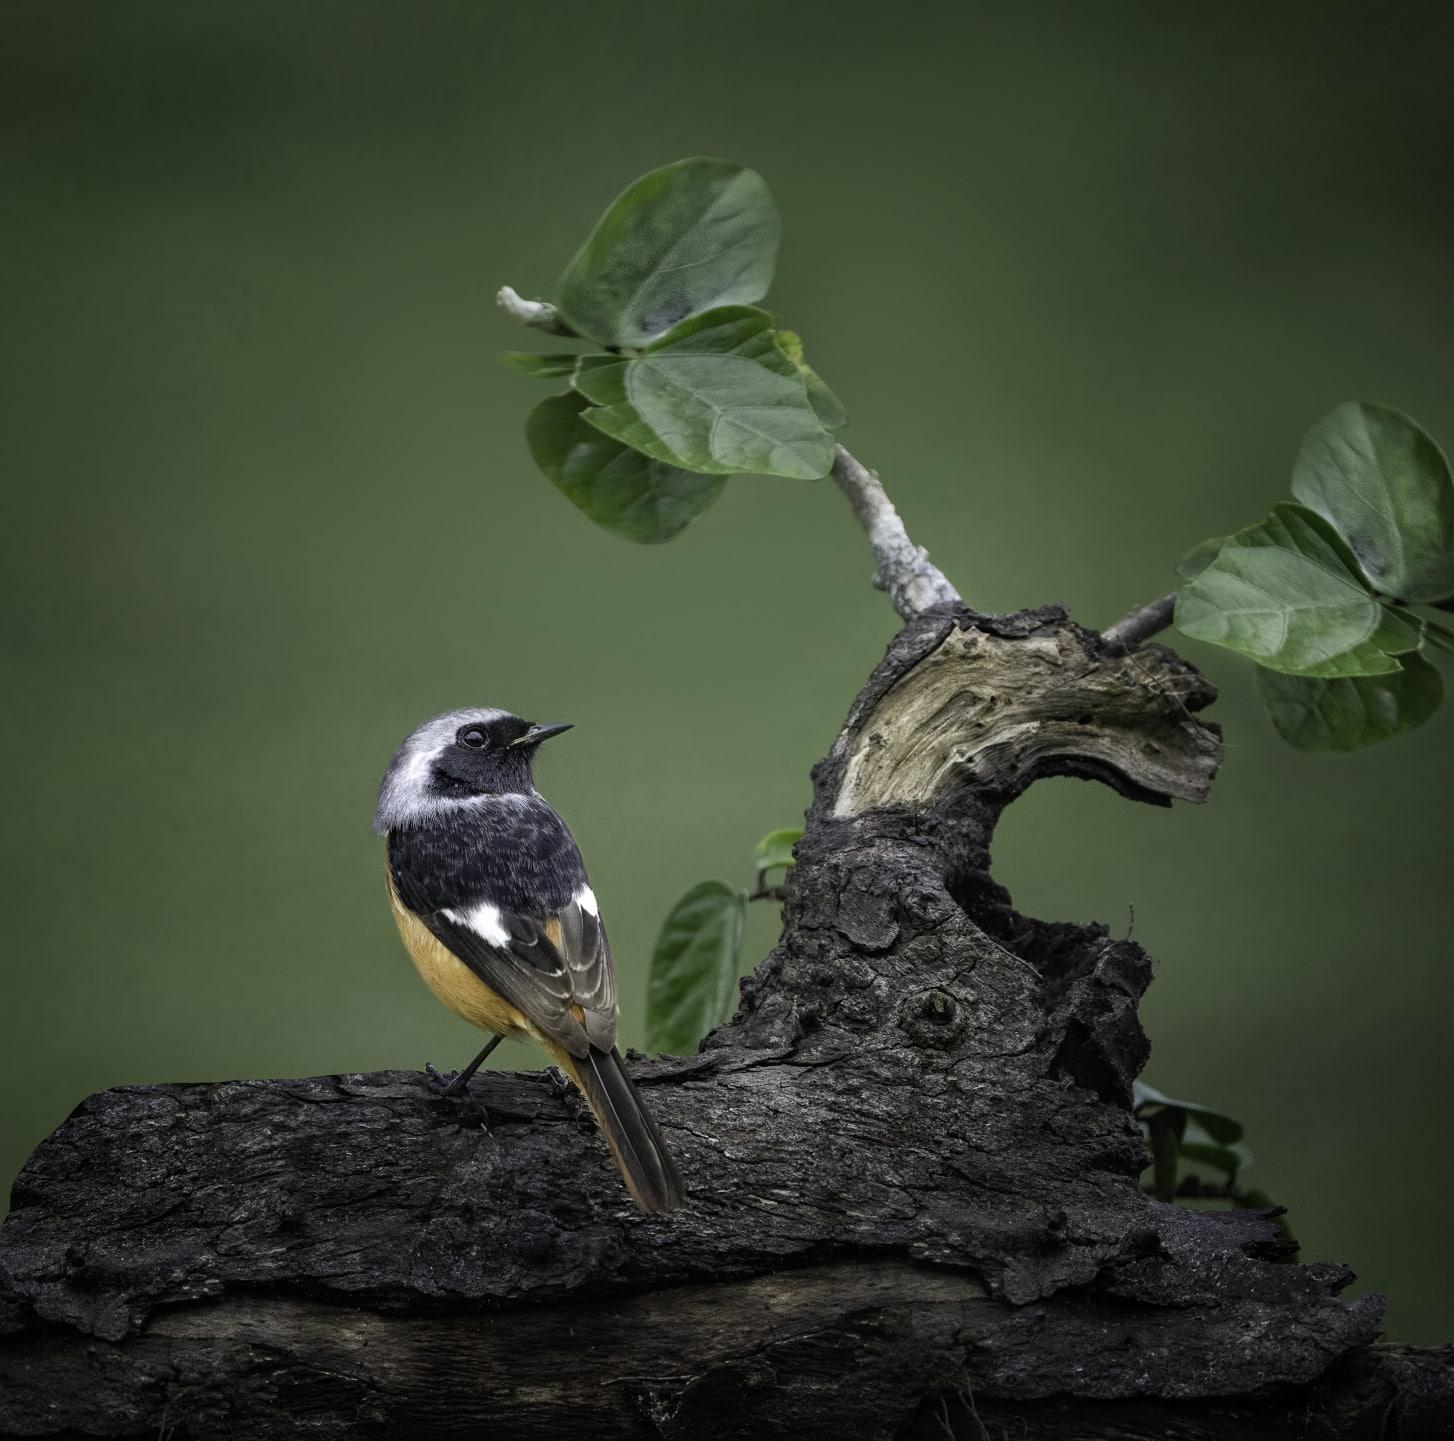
474 738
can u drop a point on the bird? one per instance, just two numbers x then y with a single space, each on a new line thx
491 898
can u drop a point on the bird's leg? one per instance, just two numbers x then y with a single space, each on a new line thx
453 1083
463 1078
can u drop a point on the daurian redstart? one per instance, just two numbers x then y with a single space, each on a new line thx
492 901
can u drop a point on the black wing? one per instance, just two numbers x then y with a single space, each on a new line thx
502 885
587 955
515 956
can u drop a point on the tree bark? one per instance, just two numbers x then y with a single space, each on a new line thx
913 1167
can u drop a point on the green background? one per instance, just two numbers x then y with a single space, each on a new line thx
1082 276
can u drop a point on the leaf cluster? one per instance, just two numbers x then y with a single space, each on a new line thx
1319 593
698 954
1197 1153
692 381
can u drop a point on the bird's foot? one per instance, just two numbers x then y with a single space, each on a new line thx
453 1088
562 1091
445 1083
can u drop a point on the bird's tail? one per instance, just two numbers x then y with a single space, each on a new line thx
646 1165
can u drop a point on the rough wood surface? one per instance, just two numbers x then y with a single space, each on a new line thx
913 1168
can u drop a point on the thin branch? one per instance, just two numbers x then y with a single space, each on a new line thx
1142 623
540 314
913 581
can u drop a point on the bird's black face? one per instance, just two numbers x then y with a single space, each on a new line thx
490 757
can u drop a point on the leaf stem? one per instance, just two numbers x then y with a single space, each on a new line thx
1142 623
903 569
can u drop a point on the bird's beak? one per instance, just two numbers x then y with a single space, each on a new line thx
536 734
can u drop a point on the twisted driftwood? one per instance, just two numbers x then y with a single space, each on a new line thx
915 1207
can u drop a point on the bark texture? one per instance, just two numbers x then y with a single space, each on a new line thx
915 1208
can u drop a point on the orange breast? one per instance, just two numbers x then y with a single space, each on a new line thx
450 979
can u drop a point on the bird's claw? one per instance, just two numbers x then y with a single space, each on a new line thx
452 1087
443 1083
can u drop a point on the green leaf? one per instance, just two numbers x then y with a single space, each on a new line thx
1217 1124
620 489
1284 611
1199 1146
1144 1095
775 849
1200 556
693 235
1287 592
1296 528
1165 1154
828 407
1226 1159
791 345
1348 714
1399 631
1183 1133
1386 486
1199 1149
1439 635
716 395
744 330
537 367
694 967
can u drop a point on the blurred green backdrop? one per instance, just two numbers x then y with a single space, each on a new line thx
1082 276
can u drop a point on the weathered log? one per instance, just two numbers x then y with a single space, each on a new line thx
915 1206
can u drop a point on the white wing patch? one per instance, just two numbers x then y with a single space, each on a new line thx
484 921
586 900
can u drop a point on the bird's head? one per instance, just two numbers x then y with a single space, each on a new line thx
455 757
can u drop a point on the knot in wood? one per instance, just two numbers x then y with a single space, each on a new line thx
932 1018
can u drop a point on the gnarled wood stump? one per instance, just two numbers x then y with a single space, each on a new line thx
914 1171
